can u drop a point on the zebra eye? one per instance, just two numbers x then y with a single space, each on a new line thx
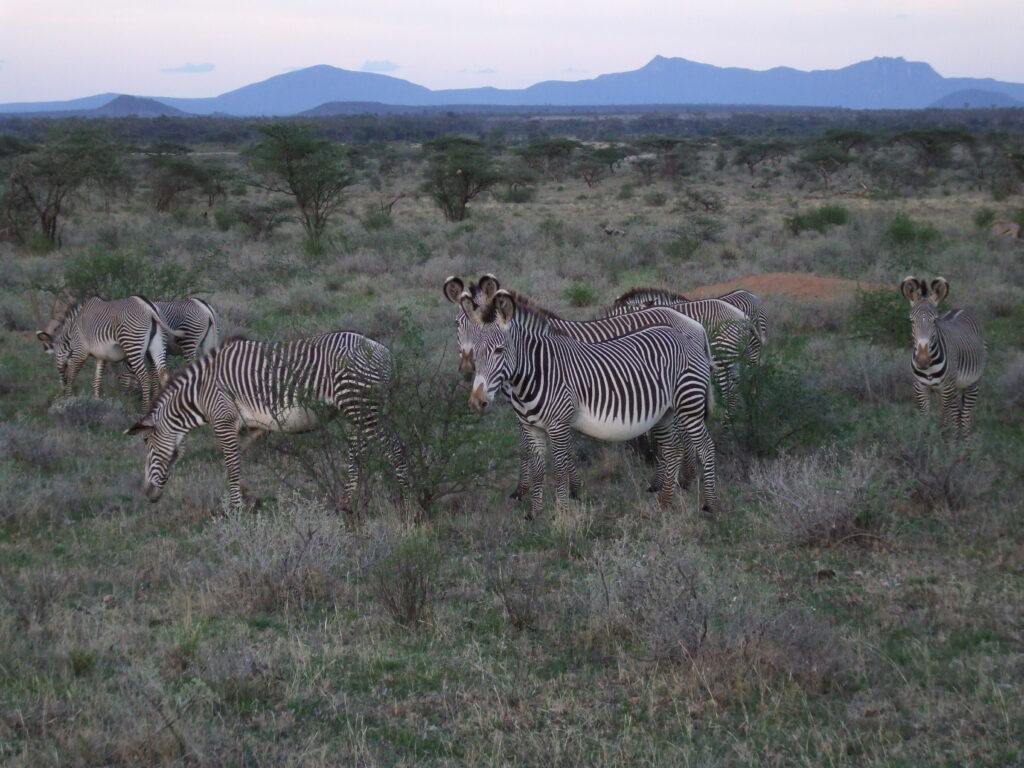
499 350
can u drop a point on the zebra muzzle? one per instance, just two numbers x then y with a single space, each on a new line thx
478 399
921 355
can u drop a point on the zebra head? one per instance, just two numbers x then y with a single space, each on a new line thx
63 303
163 449
480 292
924 300
493 350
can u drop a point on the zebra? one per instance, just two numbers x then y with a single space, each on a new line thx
193 317
126 329
471 333
949 353
747 302
614 389
727 325
255 387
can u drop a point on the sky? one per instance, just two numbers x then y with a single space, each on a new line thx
63 49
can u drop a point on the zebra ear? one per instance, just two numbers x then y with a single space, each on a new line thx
912 289
504 307
466 302
488 285
453 289
940 289
46 339
142 427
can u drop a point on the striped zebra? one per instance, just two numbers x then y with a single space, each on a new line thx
949 353
726 325
471 334
194 318
126 329
613 390
248 386
749 303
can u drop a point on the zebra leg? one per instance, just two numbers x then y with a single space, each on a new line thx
921 395
97 377
226 432
137 365
538 462
560 439
695 429
70 371
970 399
949 418
670 453
525 452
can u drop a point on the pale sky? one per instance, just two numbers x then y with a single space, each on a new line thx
62 49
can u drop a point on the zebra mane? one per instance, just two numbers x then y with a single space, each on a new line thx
649 294
531 313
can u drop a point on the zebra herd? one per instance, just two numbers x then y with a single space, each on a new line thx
650 363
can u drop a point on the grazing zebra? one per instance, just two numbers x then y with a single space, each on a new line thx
194 318
126 329
728 326
471 333
615 389
949 353
247 385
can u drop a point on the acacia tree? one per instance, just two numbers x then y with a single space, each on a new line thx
312 170
458 169
44 179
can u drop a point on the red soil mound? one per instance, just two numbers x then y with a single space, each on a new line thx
791 284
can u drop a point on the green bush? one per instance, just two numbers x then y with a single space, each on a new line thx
516 195
115 274
655 199
375 218
818 219
881 317
984 218
780 408
580 295
903 232
625 192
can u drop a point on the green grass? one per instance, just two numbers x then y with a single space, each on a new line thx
895 643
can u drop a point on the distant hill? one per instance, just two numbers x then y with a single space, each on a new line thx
975 99
135 106
881 83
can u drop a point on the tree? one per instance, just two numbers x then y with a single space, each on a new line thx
753 153
312 170
173 173
458 169
44 179
933 145
550 157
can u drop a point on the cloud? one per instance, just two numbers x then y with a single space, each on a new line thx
189 68
379 66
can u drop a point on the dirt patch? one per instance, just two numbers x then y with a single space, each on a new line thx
792 284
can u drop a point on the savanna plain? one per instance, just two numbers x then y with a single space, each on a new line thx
858 599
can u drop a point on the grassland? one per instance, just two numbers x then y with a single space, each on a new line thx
858 601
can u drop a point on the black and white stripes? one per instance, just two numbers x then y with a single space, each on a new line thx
948 356
248 385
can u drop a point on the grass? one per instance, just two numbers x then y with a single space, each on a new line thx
857 602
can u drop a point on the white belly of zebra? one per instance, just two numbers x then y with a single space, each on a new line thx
611 428
295 419
110 352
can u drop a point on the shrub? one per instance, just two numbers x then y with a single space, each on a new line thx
519 590
904 232
580 295
626 192
115 274
376 218
1010 384
779 408
984 217
291 558
881 317
942 473
655 199
30 596
516 195
818 499
88 411
404 577
818 219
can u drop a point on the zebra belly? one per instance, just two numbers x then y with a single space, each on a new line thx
295 419
609 428
109 352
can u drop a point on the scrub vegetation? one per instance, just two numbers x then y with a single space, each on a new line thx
858 600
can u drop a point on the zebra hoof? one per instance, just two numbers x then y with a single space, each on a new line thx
653 488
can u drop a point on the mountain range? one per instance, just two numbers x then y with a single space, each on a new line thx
880 83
